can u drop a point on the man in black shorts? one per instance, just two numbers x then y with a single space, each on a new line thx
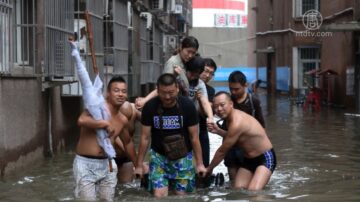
246 102
244 132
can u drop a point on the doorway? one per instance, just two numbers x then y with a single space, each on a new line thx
357 70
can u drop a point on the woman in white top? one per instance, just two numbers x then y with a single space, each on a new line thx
175 64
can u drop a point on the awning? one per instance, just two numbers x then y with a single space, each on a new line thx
269 49
341 27
327 72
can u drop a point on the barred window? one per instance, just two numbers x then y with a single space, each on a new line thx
309 61
302 6
24 33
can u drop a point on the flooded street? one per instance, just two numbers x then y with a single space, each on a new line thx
318 160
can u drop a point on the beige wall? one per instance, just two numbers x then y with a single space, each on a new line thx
24 122
226 46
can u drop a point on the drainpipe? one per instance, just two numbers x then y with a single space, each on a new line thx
106 11
51 151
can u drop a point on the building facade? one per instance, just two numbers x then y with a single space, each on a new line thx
299 45
40 97
221 28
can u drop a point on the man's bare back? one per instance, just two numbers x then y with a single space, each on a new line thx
251 136
125 166
132 114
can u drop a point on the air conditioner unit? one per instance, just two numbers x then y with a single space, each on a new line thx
130 13
172 41
178 9
158 4
171 6
148 17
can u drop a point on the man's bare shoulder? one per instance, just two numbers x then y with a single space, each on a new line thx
127 109
241 114
133 107
122 118
238 119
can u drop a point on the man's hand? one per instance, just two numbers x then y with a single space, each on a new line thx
139 171
210 120
213 127
177 70
208 171
110 128
139 103
145 167
201 170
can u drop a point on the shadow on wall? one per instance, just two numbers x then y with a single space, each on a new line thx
72 107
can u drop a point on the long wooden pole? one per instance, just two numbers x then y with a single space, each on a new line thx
89 33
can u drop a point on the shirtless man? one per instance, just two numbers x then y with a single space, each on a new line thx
91 167
244 131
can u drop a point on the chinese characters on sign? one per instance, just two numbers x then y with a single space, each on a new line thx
230 20
220 20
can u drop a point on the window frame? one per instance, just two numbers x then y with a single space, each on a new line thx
6 11
24 38
301 61
298 11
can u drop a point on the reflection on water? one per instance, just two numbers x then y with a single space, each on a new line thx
318 160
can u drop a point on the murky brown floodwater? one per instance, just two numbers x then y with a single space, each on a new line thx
318 160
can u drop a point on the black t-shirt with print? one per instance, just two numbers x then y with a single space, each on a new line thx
172 118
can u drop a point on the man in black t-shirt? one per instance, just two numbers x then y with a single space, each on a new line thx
206 76
169 114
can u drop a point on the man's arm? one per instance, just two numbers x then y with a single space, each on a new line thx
230 139
140 102
136 112
214 128
194 138
128 144
205 104
143 146
86 120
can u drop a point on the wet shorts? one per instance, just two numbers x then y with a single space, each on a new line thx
120 161
234 157
93 175
181 171
267 159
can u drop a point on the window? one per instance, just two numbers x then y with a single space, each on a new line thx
24 36
5 33
309 62
158 4
302 6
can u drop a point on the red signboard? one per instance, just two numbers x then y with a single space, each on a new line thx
219 4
